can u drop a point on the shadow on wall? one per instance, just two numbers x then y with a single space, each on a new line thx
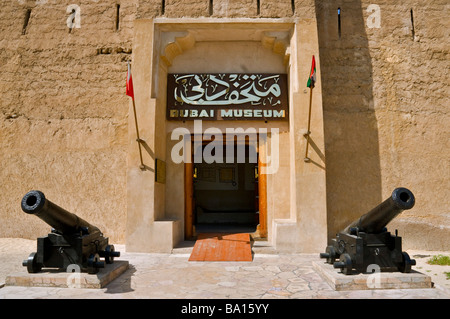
350 127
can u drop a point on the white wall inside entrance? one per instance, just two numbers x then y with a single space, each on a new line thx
228 57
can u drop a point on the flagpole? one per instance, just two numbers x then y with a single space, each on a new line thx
310 84
131 94
307 159
138 139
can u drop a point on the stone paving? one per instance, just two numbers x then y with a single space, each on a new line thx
172 276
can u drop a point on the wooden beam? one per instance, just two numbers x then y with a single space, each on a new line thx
262 190
188 202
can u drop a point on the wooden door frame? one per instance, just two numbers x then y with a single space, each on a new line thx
189 197
262 200
188 201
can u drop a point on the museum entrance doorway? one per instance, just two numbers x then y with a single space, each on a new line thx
223 192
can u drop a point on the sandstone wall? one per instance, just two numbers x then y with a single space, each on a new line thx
411 100
64 114
386 113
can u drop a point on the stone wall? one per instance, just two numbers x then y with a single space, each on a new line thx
386 112
64 114
411 99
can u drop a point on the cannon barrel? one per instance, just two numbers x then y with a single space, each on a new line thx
35 203
376 219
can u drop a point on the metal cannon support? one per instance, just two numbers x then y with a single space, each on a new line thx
366 241
72 241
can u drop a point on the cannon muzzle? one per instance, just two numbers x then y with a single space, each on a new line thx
35 203
376 220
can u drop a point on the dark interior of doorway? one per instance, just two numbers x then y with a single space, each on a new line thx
226 194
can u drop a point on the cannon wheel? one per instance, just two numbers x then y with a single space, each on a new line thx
93 264
347 264
31 264
405 265
332 254
109 254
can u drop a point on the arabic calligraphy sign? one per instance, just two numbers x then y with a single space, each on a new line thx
226 96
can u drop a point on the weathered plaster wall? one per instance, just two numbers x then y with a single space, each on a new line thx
411 101
386 113
63 113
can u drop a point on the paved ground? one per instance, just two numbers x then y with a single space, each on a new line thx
269 275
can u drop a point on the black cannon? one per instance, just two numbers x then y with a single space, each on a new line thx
72 241
366 242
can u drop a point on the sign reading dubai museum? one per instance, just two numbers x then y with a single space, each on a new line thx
225 96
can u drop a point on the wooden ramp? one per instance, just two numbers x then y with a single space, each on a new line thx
222 247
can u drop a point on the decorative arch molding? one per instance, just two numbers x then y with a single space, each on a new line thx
177 38
278 42
174 44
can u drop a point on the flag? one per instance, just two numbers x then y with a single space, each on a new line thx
130 91
312 75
